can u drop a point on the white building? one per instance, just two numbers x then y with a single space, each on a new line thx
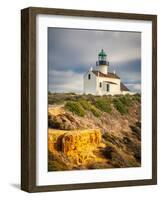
103 82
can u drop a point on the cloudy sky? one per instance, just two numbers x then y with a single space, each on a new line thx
72 52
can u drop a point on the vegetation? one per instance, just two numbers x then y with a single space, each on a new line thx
103 105
88 106
122 108
79 108
122 103
125 100
95 111
120 140
75 107
85 104
81 104
137 97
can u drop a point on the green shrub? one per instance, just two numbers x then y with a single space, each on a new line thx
75 107
85 104
103 105
125 100
137 97
88 106
122 108
95 111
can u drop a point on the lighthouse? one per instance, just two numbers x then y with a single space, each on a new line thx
102 64
100 81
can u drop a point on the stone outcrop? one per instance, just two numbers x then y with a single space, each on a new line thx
63 122
111 140
77 146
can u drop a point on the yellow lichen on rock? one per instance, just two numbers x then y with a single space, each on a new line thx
54 139
78 146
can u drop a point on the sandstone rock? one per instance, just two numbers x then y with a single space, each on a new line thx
63 122
112 140
79 145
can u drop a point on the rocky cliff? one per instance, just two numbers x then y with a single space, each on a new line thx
88 132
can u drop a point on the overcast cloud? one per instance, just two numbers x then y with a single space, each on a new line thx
71 52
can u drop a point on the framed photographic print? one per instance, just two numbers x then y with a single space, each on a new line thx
88 99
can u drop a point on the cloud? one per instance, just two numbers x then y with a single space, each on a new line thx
65 81
134 87
67 46
128 71
71 52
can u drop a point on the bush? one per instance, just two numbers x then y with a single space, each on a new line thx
122 108
125 100
95 111
75 108
88 106
85 104
137 97
103 105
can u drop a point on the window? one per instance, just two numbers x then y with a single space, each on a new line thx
89 76
108 87
100 84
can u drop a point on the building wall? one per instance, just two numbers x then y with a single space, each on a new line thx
128 92
114 88
89 84
92 85
103 69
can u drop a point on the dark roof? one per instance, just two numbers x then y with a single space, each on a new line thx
110 82
102 53
123 87
109 75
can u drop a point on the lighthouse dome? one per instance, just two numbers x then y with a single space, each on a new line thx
102 53
102 63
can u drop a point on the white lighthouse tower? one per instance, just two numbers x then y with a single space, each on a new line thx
101 81
102 64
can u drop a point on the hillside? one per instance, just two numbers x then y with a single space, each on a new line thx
93 132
